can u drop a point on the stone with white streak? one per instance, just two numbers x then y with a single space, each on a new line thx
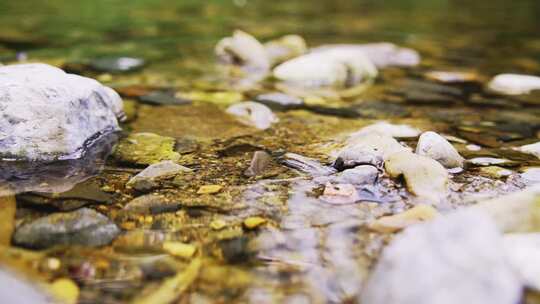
47 114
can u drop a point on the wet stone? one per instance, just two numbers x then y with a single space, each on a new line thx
146 149
280 101
150 177
84 227
150 204
533 149
85 193
389 129
360 175
163 98
514 84
433 145
306 165
424 177
117 64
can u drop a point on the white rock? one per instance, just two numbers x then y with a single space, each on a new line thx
253 114
381 54
433 145
533 149
523 252
388 129
514 84
48 114
531 175
244 50
452 259
360 175
516 212
487 161
332 68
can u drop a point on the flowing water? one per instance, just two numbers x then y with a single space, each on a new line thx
301 249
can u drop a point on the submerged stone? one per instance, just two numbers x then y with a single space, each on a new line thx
514 84
150 204
453 259
116 64
253 114
306 165
433 145
360 175
339 194
280 101
151 176
163 98
48 114
146 149
84 227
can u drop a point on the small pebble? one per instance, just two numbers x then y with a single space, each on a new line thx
179 249
65 291
218 224
209 189
340 194
254 222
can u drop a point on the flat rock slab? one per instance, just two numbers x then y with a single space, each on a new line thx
47 114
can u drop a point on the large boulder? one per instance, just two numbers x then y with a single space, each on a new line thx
47 114
453 259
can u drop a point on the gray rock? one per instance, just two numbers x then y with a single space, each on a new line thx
280 101
150 204
366 148
84 227
364 174
306 165
433 145
48 114
253 114
150 177
353 156
453 259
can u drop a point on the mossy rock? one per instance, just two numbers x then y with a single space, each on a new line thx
146 149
